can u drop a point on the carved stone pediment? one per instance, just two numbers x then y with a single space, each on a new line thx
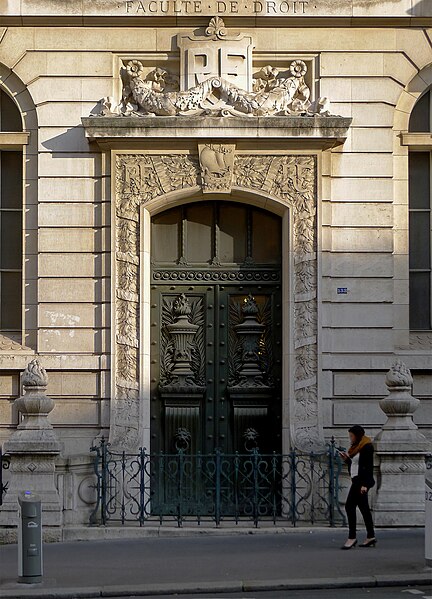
216 78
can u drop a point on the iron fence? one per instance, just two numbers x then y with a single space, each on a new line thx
4 465
182 487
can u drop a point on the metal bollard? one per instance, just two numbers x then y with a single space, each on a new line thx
29 538
428 513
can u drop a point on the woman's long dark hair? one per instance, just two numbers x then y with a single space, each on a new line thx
358 431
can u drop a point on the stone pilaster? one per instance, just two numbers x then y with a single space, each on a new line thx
401 450
33 449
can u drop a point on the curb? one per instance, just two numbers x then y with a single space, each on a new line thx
193 588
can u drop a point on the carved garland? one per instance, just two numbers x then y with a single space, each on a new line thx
141 178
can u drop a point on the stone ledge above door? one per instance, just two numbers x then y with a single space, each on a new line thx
320 132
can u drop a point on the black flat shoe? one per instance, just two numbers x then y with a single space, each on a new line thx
370 543
346 547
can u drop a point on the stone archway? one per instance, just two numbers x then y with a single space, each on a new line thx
146 180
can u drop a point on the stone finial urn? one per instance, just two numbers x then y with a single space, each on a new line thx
33 449
401 450
35 432
399 406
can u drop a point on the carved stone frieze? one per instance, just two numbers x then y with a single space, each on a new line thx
291 180
272 95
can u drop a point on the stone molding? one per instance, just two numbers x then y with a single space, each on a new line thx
140 178
171 12
321 131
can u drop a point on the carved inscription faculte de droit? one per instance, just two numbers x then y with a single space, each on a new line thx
292 8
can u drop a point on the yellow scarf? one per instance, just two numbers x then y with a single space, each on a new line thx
356 447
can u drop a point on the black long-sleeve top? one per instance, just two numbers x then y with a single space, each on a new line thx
366 464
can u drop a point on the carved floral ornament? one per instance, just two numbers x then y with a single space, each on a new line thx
272 93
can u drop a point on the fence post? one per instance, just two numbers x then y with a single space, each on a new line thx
293 485
218 487
331 454
256 486
98 486
104 481
180 489
4 465
142 458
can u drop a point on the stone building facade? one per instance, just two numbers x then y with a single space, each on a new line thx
177 167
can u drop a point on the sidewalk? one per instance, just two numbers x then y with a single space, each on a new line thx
297 559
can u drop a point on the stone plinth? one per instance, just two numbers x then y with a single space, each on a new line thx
33 449
401 449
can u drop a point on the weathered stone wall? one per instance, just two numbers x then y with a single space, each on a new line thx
362 214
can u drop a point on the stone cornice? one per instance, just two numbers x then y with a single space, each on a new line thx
13 140
281 13
316 131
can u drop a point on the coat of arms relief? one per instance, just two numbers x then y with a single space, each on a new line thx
216 78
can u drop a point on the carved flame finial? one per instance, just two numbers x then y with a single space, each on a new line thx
249 306
35 375
216 29
399 375
182 306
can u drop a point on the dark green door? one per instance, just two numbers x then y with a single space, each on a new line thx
216 325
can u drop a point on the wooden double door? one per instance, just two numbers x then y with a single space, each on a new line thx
216 325
216 367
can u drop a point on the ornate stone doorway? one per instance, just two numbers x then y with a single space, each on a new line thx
151 181
216 322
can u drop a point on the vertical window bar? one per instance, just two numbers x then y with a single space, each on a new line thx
215 235
182 234
249 233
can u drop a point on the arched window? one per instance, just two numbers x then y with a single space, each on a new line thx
11 217
420 222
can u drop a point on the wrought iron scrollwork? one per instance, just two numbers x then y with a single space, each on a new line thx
289 488
4 465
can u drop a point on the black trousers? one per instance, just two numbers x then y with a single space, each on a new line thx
357 499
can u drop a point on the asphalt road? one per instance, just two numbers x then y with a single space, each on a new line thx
381 593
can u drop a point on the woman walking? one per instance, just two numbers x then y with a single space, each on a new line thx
360 466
